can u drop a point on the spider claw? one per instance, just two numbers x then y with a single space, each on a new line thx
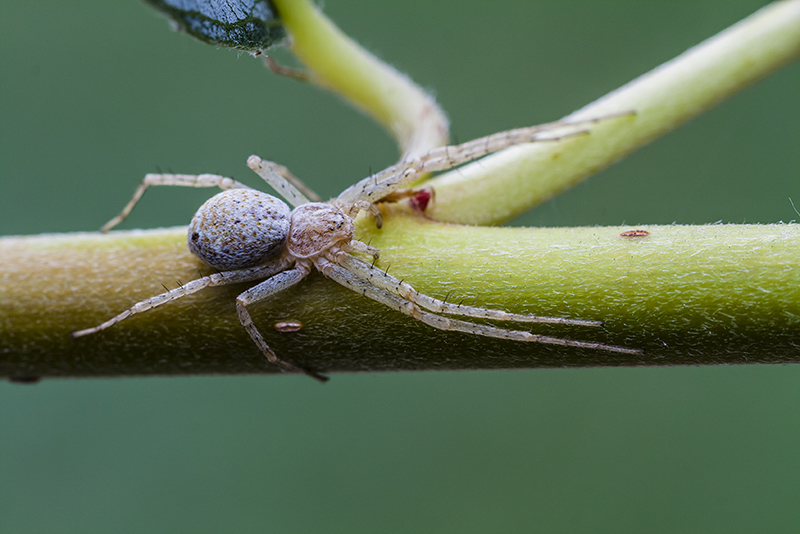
292 368
316 376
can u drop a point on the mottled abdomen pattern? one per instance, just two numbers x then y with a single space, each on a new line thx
239 228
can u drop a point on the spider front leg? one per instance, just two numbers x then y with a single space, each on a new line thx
267 288
379 185
184 180
418 198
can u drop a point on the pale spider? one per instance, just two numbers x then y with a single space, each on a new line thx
249 235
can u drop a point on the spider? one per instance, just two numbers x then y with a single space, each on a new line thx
248 235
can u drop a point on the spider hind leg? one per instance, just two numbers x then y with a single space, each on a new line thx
267 288
365 287
216 279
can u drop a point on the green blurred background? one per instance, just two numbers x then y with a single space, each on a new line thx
97 93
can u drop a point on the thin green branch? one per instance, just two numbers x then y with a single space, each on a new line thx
502 186
338 63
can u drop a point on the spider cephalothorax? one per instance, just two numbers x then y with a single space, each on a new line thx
316 227
249 235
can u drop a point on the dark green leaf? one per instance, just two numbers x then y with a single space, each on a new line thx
251 25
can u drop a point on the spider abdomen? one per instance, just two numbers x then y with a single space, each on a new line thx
238 229
316 227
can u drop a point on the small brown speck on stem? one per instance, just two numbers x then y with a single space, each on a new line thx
288 326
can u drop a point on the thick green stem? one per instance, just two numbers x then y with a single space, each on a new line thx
686 294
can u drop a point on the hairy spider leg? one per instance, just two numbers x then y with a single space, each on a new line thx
384 280
283 181
267 288
216 279
352 281
447 157
373 188
185 180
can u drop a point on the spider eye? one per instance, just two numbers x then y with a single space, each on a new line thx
239 228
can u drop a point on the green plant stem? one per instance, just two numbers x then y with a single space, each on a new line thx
686 294
338 63
511 182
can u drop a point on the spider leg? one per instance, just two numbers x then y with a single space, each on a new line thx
216 279
267 288
186 180
283 181
401 194
446 157
367 289
384 280
360 246
374 188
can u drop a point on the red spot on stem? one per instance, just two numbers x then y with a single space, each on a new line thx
420 200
